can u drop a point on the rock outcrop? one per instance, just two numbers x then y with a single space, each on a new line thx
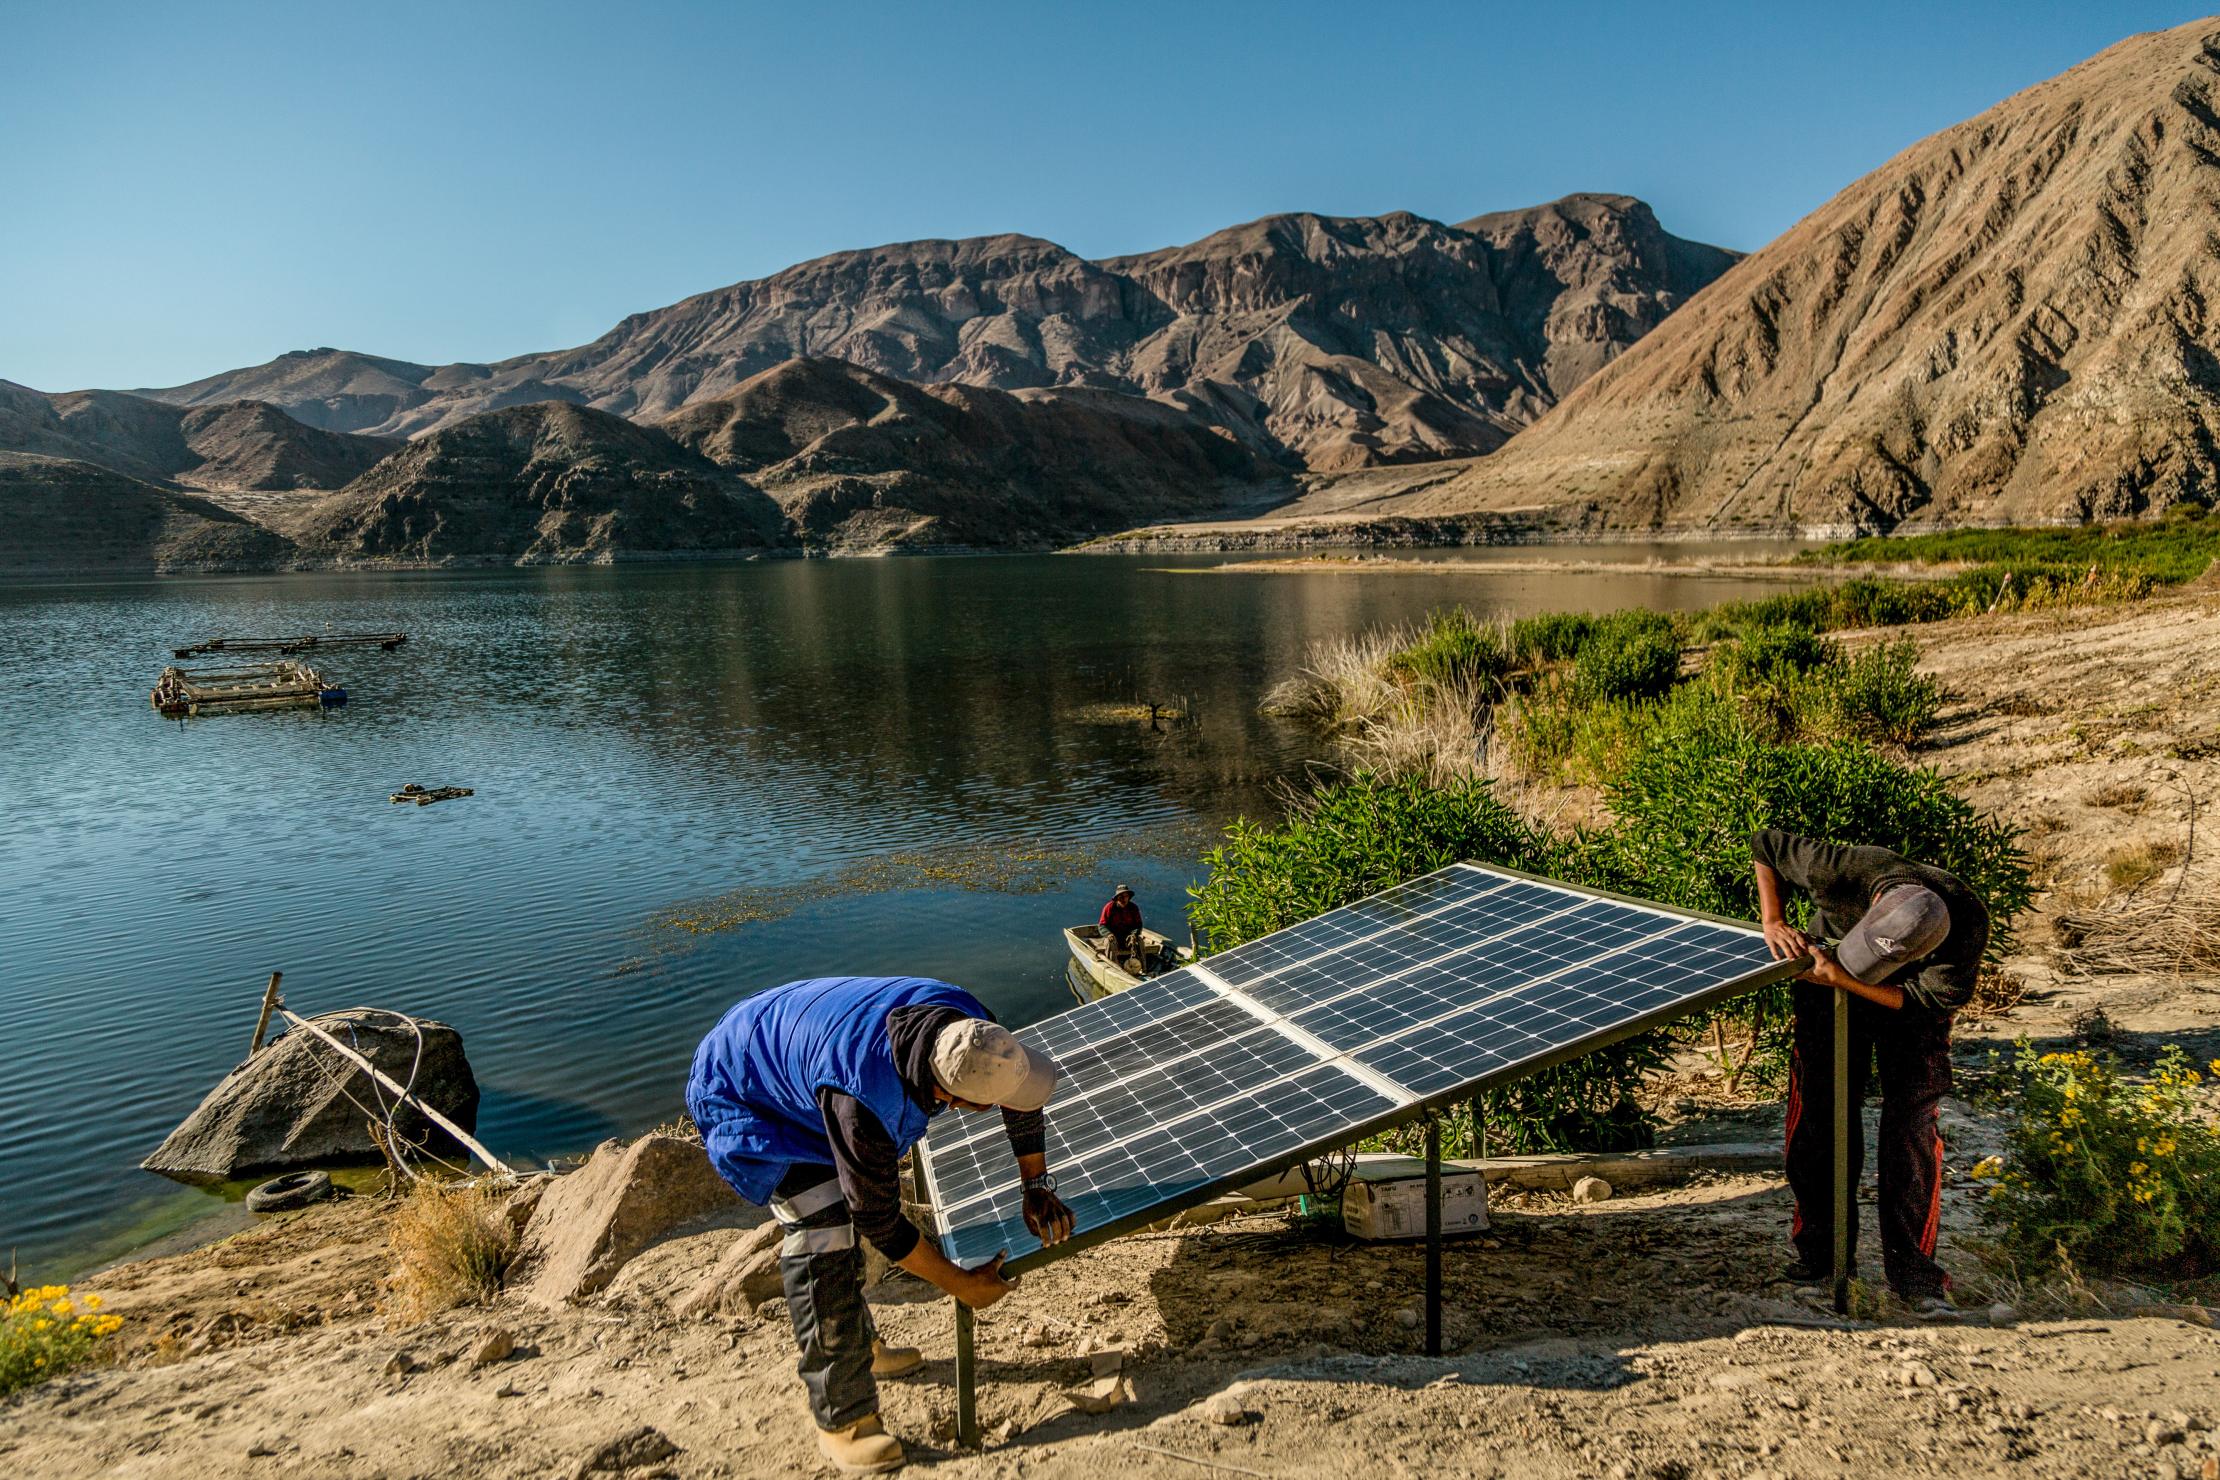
590 1223
297 1103
59 516
1326 342
2012 320
549 483
861 461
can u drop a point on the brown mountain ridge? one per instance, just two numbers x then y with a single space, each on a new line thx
1321 342
2012 320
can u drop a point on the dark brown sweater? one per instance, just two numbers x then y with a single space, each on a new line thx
1842 880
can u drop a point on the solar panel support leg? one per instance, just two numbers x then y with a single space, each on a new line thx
1433 1236
967 1381
1845 1128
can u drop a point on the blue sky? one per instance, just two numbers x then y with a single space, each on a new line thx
185 188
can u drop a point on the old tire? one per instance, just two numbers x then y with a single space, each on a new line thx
293 1190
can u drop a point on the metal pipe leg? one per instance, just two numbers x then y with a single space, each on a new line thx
1845 1128
967 1381
1433 1236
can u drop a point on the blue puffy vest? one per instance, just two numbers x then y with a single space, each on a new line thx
753 1090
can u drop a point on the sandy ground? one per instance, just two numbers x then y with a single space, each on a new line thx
1635 1337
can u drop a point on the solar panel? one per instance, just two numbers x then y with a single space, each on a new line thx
1323 1033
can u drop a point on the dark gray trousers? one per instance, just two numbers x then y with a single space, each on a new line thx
823 1271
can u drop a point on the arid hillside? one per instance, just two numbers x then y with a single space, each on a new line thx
224 445
532 485
65 517
1322 342
862 461
2009 321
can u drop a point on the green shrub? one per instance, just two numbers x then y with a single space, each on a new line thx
1686 802
1772 654
1555 736
1878 695
1550 637
2109 1176
2170 551
1627 659
1454 650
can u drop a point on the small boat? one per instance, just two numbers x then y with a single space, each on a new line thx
1095 976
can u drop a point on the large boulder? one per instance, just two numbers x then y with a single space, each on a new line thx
298 1102
591 1222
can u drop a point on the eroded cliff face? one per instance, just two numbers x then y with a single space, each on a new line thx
1320 342
2009 321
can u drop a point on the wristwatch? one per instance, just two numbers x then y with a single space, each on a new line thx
1045 1182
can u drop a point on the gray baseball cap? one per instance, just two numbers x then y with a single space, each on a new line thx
1905 922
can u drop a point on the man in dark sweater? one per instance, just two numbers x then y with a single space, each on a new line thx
807 1096
1909 945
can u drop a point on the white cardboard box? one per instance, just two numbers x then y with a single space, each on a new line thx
1387 1200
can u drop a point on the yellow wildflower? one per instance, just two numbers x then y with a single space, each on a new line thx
92 1302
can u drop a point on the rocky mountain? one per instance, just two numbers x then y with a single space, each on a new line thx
860 460
223 445
547 483
1322 342
2014 319
62 516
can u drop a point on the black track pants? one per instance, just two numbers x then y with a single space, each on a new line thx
1911 1048
823 1271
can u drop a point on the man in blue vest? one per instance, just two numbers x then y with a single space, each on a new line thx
807 1096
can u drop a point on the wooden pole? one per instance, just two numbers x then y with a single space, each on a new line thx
1433 1235
1845 1190
967 1381
262 1024
452 1129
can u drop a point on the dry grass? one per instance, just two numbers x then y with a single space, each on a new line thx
452 1245
2125 795
1995 993
2174 936
1442 736
1342 684
2133 864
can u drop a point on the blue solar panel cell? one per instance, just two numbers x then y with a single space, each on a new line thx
1293 1043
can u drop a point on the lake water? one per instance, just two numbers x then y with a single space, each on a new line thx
691 782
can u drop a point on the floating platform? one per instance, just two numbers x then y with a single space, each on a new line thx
385 640
182 691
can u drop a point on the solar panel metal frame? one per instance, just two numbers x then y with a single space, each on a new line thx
1418 1109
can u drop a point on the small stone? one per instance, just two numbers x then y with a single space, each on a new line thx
1228 1409
1038 1334
1917 1375
497 1347
508 1390
1099 1396
1791 1402
1407 1319
1219 1329
2159 1433
265 1447
401 1365
1591 1190
2001 1314
1108 1362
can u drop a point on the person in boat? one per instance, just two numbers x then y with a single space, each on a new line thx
1892 919
807 1096
1121 925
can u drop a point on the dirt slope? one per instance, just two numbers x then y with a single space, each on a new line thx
1329 342
541 484
2008 321
861 461
64 517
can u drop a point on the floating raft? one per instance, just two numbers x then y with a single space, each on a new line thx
255 686
386 640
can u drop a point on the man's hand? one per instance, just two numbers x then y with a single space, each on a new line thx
1785 941
982 1287
1046 1215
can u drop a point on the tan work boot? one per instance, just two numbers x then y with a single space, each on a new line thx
894 1361
862 1448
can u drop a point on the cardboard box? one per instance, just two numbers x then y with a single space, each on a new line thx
1386 1200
